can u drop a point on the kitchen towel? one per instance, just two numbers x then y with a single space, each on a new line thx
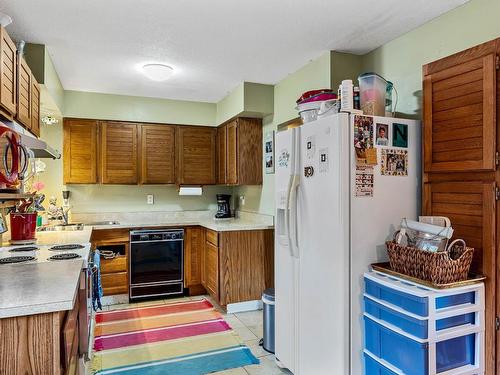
96 281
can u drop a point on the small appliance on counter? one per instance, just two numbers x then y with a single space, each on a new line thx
223 206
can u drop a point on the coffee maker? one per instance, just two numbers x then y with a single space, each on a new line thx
223 206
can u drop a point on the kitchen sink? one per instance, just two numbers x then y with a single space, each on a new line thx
61 228
104 223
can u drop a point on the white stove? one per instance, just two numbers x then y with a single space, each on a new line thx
30 254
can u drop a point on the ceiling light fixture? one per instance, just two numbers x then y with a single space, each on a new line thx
157 72
5 19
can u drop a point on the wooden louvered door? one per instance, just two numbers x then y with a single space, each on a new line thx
221 147
80 151
35 107
196 157
461 141
157 154
119 153
8 76
460 111
24 88
232 153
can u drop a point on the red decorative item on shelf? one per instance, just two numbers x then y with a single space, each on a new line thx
22 226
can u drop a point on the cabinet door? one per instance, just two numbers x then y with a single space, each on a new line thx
80 151
35 107
196 155
8 76
119 153
221 154
193 243
460 111
24 88
212 269
157 154
249 151
232 153
471 208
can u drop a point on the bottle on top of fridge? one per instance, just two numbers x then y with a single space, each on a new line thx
356 98
347 103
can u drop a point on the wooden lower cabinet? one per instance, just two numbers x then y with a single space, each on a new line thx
238 265
41 344
114 271
194 240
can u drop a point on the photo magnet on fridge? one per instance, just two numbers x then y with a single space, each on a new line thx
382 135
399 135
394 162
363 137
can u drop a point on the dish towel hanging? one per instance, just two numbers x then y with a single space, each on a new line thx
96 282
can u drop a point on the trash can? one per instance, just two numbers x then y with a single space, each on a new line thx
268 310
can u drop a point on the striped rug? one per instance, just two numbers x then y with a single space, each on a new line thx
182 338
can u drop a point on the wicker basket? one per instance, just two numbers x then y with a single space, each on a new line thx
439 268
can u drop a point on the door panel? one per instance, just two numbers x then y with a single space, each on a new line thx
196 155
23 93
221 155
471 207
8 75
157 154
460 112
232 153
80 151
212 269
35 107
119 152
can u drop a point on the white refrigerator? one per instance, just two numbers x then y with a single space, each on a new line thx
327 236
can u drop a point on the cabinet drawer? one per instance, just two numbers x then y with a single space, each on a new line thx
213 237
114 283
118 264
70 333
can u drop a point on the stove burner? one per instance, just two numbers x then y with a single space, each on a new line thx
18 259
67 247
64 256
21 249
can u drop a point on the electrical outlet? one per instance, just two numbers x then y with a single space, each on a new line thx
242 200
151 199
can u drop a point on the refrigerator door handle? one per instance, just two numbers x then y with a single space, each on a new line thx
287 212
292 212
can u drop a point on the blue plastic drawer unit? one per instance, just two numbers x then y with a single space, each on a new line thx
412 357
414 304
416 326
373 367
419 300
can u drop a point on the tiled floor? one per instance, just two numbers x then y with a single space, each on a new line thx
247 325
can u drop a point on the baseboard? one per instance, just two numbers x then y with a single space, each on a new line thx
233 308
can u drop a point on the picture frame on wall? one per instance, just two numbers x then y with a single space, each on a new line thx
269 151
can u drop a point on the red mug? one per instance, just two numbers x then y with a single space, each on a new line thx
22 226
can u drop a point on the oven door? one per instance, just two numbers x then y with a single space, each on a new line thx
154 262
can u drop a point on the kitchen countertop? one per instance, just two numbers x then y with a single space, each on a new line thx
27 289
216 225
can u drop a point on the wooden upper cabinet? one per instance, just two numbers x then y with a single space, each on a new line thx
80 151
460 111
8 76
119 152
196 158
24 88
35 107
241 153
232 153
221 154
157 154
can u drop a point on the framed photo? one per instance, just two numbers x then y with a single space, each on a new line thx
394 162
269 151
399 135
382 135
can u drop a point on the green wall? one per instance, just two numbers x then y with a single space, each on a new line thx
401 60
141 109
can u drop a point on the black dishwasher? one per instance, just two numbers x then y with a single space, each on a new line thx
156 263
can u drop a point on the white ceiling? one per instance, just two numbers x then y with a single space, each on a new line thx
97 45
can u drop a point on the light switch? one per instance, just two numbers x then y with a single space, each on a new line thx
151 199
